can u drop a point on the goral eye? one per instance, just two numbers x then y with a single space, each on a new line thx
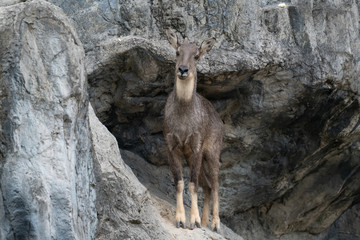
177 53
197 57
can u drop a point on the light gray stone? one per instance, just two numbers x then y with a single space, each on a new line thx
5 3
284 80
124 206
61 173
46 174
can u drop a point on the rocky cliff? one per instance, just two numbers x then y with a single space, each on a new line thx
284 79
61 173
46 177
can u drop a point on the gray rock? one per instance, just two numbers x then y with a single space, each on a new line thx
46 174
124 206
284 80
96 21
5 3
130 88
61 173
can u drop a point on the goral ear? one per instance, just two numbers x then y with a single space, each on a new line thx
206 46
173 39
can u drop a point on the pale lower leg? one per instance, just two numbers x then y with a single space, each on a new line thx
194 212
206 209
180 210
215 223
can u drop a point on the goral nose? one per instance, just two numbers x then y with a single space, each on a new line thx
183 70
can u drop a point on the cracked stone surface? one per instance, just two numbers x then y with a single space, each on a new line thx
61 172
46 176
284 79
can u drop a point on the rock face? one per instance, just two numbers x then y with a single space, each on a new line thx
61 173
283 78
46 174
123 204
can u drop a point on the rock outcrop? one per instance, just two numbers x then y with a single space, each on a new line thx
284 79
61 173
123 204
46 177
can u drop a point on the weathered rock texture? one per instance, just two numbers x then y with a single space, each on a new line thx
285 81
61 173
123 204
46 176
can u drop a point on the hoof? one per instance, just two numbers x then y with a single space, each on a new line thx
217 229
215 225
181 224
192 226
197 224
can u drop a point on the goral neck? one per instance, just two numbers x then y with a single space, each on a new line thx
185 88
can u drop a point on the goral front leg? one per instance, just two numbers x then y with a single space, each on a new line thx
194 212
176 169
180 210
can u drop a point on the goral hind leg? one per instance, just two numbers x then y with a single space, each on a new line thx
212 157
215 223
206 209
180 210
